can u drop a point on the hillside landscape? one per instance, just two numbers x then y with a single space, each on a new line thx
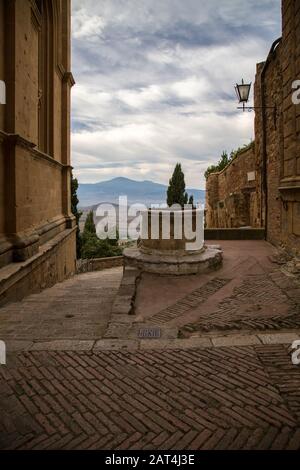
143 192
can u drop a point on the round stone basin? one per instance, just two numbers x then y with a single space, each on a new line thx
167 244
172 232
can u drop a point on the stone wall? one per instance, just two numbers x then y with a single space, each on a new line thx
35 171
232 199
279 145
98 264
275 197
54 263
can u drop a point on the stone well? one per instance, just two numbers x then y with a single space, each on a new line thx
168 244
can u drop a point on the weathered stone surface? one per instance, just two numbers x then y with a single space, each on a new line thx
62 345
117 345
235 340
77 309
279 338
231 199
175 343
272 198
18 345
194 263
35 171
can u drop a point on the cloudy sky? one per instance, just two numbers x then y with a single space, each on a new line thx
154 83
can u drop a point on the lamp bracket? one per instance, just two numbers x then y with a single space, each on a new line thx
252 108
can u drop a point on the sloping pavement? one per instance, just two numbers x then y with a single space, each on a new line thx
66 386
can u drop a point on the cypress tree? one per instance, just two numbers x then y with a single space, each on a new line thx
77 214
176 193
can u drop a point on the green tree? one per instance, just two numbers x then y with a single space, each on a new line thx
94 247
77 214
176 193
222 163
89 226
224 160
114 241
191 201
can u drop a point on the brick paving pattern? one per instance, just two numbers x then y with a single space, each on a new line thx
190 301
218 398
70 384
251 306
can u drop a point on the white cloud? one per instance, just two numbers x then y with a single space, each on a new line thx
155 83
87 25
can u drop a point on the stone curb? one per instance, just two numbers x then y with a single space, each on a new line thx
148 344
122 314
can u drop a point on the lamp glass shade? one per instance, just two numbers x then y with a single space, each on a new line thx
243 91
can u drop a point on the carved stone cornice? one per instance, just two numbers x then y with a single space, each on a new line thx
290 184
15 140
69 79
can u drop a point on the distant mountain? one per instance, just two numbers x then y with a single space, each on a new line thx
144 192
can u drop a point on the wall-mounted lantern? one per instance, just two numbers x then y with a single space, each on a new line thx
242 91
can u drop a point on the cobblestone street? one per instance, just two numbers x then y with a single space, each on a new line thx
222 398
220 376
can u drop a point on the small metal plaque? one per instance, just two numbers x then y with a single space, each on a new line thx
149 333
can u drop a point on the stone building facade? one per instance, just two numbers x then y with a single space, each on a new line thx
37 229
232 198
277 145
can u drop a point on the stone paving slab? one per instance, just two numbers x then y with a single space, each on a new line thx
205 341
76 309
278 338
236 340
62 345
243 397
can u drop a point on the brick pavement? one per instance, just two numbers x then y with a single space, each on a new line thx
217 398
74 382
249 292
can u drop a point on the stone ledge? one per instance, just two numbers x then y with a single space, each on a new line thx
123 306
62 345
115 344
175 343
235 340
234 234
13 275
98 264
278 338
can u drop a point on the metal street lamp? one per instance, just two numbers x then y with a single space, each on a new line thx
242 92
